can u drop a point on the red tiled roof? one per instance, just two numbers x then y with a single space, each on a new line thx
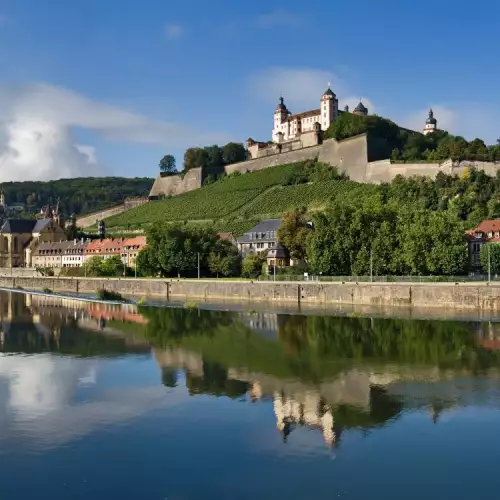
106 245
225 236
137 241
488 226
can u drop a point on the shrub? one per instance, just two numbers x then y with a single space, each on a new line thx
104 294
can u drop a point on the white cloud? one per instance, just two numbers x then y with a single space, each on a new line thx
89 152
40 404
36 123
174 31
302 88
278 17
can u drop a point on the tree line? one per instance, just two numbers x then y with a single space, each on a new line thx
411 226
211 157
403 145
76 196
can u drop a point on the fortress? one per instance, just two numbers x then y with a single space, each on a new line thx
299 137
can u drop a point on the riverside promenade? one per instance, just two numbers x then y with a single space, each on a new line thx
461 296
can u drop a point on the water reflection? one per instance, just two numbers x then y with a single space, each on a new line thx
327 374
196 392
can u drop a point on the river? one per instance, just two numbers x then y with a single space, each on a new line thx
101 402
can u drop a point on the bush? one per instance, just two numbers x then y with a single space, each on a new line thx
252 265
104 294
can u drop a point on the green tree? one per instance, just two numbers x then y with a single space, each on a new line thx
494 250
167 165
224 259
93 266
173 250
293 233
252 265
233 152
112 266
72 231
194 158
213 155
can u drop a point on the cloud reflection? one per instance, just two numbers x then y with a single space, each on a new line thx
40 403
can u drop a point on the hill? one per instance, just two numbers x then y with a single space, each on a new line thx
238 201
77 196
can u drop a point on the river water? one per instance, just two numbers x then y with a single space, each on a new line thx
99 402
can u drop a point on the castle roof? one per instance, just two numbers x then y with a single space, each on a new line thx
431 120
281 106
329 91
361 107
305 114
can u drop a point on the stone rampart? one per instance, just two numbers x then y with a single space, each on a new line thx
91 219
273 160
349 156
170 185
450 296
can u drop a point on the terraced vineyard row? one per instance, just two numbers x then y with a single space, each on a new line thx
237 203
315 197
211 202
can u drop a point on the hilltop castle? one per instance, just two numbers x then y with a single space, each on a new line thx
306 129
288 126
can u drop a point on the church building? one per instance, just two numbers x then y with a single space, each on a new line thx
19 237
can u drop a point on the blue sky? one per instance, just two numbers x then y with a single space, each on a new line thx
92 87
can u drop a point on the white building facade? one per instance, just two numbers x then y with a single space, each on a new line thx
288 126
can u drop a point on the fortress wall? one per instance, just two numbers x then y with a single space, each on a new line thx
273 160
349 155
385 171
90 219
177 184
489 167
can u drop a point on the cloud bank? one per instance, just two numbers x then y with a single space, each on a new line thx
37 143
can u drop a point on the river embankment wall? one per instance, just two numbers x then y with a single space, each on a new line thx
471 296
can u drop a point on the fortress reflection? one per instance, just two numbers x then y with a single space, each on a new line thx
322 387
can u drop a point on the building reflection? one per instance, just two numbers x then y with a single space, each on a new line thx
361 394
38 323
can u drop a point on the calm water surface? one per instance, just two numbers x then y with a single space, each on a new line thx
101 402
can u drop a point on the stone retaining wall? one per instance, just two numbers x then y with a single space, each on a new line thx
446 295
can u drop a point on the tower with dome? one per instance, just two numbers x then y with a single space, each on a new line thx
430 124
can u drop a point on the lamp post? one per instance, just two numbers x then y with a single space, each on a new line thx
489 264
371 264
198 265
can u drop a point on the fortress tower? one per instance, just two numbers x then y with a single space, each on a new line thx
288 126
430 124
360 110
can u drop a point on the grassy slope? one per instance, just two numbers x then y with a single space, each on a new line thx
238 202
